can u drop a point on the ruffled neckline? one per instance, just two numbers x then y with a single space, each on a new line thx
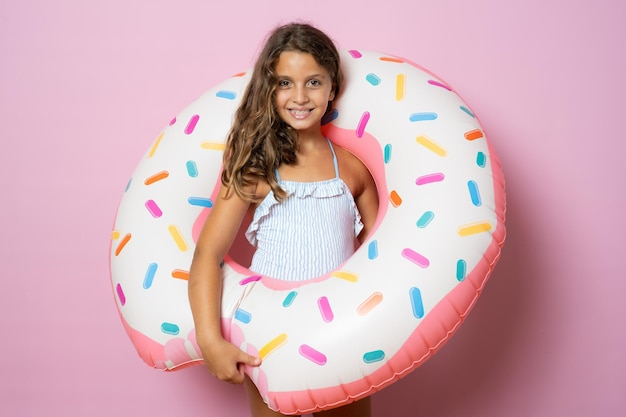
315 189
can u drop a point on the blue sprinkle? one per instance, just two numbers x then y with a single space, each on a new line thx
374 356
228 95
169 328
425 219
468 111
150 273
128 184
461 269
474 193
387 153
481 159
243 316
416 302
200 201
289 299
372 78
192 169
329 117
421 117
372 249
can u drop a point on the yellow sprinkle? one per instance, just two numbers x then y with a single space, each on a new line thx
472 229
213 146
156 145
115 234
399 87
273 344
345 275
178 237
431 145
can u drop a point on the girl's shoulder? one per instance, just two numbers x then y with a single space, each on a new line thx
350 163
352 170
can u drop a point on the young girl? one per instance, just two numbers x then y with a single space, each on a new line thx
303 191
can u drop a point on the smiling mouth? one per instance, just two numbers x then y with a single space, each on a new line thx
300 114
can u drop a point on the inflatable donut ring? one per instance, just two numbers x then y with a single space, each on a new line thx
336 338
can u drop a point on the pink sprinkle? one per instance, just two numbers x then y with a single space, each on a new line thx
313 355
192 124
120 294
360 129
154 209
173 121
427 179
250 279
438 84
416 258
355 54
327 312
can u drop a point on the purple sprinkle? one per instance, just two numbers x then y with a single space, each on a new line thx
438 84
120 294
250 279
192 124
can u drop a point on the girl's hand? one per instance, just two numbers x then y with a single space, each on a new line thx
225 361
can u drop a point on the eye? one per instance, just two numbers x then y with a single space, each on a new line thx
315 83
283 83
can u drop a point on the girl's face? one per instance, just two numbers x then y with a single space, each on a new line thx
303 92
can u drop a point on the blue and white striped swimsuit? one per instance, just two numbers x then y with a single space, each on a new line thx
310 233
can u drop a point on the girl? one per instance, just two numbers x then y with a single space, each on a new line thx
301 189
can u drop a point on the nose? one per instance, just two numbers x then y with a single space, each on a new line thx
300 95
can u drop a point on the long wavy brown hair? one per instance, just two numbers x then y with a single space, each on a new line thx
259 140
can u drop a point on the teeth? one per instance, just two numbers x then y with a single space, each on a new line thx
300 114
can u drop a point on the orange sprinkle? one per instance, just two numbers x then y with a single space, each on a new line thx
391 59
156 177
122 244
180 274
474 134
240 74
369 304
395 198
156 145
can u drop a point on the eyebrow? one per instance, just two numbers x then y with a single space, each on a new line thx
308 76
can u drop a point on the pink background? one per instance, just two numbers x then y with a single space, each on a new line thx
86 87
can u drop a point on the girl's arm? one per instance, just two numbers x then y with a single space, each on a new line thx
361 183
223 359
367 202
